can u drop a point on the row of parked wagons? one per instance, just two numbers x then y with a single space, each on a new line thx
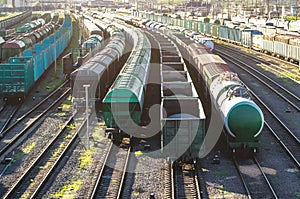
286 46
9 22
20 73
16 46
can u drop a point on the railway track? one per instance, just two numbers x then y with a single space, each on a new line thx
283 135
292 99
286 69
287 138
7 114
110 180
44 164
255 181
15 133
185 181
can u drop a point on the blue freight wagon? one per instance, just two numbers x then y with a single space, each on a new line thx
16 76
20 73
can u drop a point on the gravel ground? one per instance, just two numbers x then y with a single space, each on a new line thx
146 174
76 176
282 173
221 180
30 148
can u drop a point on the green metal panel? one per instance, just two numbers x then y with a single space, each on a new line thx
214 30
16 76
181 21
244 121
169 20
121 95
124 113
173 21
201 27
98 37
194 26
207 29
185 24
179 136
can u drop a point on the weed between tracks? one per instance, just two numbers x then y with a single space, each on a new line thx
28 148
69 190
86 158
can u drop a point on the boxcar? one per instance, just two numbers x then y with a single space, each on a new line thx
281 49
247 37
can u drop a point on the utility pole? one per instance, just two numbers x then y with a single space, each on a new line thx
86 86
55 64
268 5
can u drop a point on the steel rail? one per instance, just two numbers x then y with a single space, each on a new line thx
5 149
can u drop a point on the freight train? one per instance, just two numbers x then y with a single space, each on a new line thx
100 70
108 87
182 117
123 104
243 119
8 23
95 37
24 41
19 75
275 41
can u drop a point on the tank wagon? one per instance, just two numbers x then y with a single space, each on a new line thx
16 46
28 27
182 116
99 71
20 73
94 40
123 104
8 23
243 119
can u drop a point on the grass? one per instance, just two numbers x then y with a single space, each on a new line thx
66 107
29 147
17 156
138 153
135 194
102 123
50 84
223 193
255 84
69 190
71 126
8 15
220 173
85 159
61 114
286 80
98 134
